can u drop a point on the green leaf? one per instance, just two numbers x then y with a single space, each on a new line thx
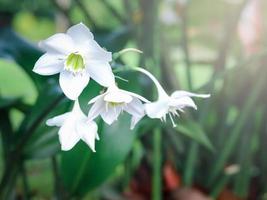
195 131
84 170
25 54
113 40
8 102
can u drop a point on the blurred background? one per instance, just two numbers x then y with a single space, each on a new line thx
207 46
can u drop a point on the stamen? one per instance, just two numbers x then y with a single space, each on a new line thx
75 63
173 124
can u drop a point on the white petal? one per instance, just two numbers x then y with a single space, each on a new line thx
136 109
48 64
93 100
183 102
87 131
137 96
97 136
101 72
80 33
68 136
111 114
156 109
134 121
97 53
59 43
73 85
117 96
77 111
161 91
58 120
97 108
181 93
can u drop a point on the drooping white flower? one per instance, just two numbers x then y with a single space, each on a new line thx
169 104
76 56
74 126
110 104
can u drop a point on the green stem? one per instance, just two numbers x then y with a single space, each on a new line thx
156 182
25 181
219 186
234 135
185 44
190 164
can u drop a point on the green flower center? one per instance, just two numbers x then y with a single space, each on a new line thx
114 104
75 62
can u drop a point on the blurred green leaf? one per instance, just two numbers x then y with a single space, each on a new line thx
84 170
113 40
8 102
195 131
43 146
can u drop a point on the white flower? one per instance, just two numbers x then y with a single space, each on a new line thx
74 126
77 57
169 104
110 104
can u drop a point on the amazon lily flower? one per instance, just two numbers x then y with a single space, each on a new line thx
74 126
169 104
110 104
76 56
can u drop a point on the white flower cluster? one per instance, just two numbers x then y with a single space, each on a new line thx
77 57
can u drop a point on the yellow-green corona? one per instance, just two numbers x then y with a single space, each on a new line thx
74 63
114 104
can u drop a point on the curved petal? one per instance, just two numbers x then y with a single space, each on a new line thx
73 85
80 33
93 100
136 109
183 102
101 72
68 136
87 133
117 96
137 96
59 43
157 109
182 93
97 53
97 108
48 64
58 120
111 114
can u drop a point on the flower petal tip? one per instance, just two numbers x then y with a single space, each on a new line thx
49 122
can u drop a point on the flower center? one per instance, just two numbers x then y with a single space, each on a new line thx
74 63
114 104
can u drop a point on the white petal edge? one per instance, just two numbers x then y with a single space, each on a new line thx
137 96
68 136
156 109
183 102
80 33
97 53
87 131
97 108
48 64
117 96
58 120
59 43
73 85
111 114
137 110
182 93
93 100
101 72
